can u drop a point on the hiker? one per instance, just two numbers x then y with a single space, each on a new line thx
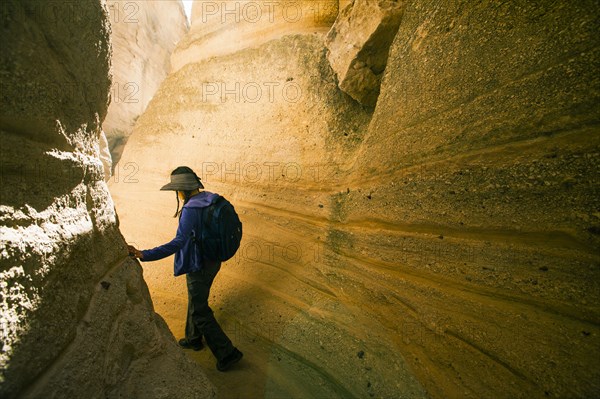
200 271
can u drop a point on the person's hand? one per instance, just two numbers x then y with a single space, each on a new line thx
135 252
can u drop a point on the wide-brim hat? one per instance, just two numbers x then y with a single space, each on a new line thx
183 182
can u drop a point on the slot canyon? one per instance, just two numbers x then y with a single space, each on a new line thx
418 182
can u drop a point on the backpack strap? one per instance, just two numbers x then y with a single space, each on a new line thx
206 215
199 238
211 210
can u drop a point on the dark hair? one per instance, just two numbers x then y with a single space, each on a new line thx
186 194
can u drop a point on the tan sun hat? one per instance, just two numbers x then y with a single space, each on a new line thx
183 182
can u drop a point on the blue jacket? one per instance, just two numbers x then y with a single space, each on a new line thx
187 254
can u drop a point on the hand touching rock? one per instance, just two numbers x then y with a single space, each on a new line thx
135 252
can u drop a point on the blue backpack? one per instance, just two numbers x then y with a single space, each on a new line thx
220 230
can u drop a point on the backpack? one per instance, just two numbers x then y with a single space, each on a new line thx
221 230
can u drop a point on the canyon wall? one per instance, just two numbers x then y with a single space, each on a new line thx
220 28
143 35
75 313
477 217
444 244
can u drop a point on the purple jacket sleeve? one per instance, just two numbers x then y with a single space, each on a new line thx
184 231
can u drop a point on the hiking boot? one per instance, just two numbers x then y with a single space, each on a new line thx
188 345
230 360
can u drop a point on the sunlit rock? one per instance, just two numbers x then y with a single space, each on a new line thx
143 36
224 27
479 183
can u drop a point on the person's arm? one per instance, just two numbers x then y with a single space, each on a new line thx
184 231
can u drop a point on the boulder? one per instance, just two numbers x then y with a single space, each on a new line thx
359 43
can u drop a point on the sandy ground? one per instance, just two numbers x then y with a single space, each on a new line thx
266 371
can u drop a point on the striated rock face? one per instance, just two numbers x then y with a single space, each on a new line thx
75 314
477 215
143 35
445 245
359 43
220 28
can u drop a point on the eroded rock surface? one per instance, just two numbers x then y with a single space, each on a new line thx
143 36
479 197
359 43
220 28
75 313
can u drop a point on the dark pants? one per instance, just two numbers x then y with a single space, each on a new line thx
200 319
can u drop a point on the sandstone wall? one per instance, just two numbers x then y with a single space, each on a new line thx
479 197
220 28
445 245
344 3
143 34
75 314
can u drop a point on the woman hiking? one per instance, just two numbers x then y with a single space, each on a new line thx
200 272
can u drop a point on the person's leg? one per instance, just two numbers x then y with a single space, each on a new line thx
193 335
202 316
